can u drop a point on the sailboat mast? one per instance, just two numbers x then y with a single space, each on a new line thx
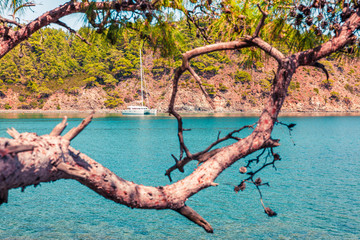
141 77
145 87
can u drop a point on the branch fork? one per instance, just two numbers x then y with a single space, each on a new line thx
54 159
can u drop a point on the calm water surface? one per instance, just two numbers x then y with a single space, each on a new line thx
315 190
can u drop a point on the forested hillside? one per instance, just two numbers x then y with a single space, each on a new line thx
55 70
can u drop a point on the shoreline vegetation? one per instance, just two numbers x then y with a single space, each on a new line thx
106 77
11 114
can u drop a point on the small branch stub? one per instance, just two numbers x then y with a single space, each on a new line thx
13 133
76 130
243 170
58 129
4 193
193 216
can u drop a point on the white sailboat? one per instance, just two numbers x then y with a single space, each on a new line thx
140 110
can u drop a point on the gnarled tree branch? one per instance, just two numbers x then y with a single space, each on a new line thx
53 159
344 37
5 20
193 216
262 21
10 38
48 158
249 41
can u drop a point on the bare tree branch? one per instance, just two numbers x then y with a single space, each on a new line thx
258 182
193 216
73 31
267 48
15 149
204 155
344 37
197 79
58 129
11 22
13 133
53 159
261 23
190 17
19 148
249 41
76 130
322 67
10 38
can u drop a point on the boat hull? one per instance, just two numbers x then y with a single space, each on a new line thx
139 112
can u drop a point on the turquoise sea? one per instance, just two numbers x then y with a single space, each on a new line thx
315 189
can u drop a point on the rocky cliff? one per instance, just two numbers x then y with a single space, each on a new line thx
231 88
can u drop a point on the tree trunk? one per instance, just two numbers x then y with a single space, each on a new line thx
29 159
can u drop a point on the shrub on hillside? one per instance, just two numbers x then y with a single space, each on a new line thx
91 82
327 84
347 101
21 98
242 76
112 102
210 89
32 86
74 91
2 94
205 70
160 68
7 106
294 85
265 84
44 92
349 88
222 87
335 96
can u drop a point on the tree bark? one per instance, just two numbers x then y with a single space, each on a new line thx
10 38
29 159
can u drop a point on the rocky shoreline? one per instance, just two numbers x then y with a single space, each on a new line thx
309 92
4 114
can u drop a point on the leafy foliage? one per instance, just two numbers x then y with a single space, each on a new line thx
222 87
265 84
327 84
242 77
210 89
349 88
112 102
335 96
160 67
52 60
